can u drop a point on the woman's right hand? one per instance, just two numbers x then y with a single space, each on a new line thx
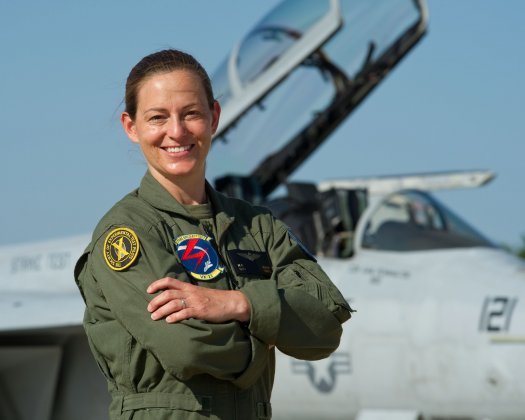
179 300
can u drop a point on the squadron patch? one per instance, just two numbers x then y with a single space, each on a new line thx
198 256
121 248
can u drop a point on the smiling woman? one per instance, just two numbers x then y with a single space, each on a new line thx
172 115
187 291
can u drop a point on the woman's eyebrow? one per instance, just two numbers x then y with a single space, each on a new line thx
154 109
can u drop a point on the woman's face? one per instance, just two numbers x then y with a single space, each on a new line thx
173 125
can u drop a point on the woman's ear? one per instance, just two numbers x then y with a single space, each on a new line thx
129 127
215 113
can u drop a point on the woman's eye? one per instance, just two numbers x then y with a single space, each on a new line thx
156 118
193 114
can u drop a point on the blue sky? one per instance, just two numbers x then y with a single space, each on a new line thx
456 102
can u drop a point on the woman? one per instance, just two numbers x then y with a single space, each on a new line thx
188 291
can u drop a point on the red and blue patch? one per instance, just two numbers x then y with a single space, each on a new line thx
198 256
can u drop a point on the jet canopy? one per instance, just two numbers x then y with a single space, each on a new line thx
295 77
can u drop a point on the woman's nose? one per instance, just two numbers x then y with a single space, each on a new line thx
176 128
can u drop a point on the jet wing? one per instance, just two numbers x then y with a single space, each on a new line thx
38 290
297 75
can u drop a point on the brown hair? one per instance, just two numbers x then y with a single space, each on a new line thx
163 61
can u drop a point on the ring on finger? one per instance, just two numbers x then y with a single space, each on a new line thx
183 303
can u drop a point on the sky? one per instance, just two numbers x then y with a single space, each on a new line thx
456 102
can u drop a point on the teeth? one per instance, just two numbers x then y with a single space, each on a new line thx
178 149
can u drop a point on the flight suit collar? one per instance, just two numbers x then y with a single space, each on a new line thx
156 195
224 214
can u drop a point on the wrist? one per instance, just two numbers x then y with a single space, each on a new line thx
242 308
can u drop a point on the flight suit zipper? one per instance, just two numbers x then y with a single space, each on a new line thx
232 283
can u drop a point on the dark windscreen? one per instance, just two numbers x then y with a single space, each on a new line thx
412 221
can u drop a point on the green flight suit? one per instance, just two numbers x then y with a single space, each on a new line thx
195 369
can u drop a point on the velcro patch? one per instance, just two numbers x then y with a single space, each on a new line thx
251 263
198 256
121 248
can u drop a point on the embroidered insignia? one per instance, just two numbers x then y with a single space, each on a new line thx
252 256
121 248
198 256
251 263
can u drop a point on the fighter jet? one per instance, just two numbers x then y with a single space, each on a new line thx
439 331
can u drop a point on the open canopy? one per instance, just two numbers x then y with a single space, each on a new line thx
297 75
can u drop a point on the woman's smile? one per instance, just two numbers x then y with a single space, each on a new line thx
178 149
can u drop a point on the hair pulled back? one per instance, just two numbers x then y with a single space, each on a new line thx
164 61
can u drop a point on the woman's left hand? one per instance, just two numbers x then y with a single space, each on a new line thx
179 300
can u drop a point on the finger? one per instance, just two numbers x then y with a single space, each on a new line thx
169 309
163 284
180 316
162 299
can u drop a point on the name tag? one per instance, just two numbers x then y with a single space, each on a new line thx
251 263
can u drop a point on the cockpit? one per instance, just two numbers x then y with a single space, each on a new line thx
410 220
415 221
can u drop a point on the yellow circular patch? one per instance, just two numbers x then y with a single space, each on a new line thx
121 248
